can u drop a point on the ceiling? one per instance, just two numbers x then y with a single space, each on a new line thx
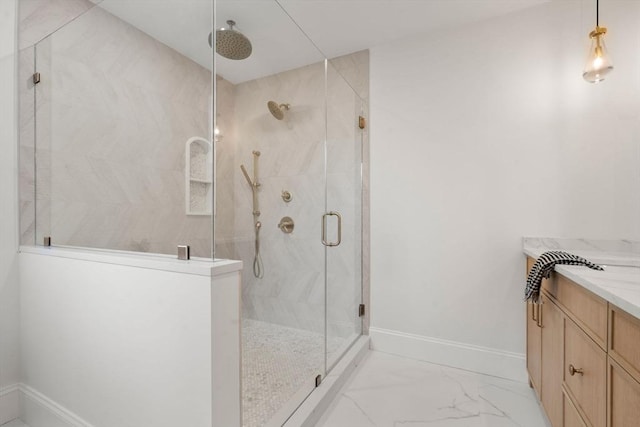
322 27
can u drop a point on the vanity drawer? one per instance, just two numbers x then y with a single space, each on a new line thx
587 384
624 340
588 310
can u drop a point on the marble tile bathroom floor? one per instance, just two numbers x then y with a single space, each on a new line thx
392 391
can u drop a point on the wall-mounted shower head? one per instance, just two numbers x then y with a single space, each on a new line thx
277 110
230 43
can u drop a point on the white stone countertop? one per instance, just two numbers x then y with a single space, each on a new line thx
619 283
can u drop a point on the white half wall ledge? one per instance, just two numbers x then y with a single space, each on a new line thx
152 261
483 360
9 403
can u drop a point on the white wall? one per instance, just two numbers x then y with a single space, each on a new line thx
9 291
483 135
108 342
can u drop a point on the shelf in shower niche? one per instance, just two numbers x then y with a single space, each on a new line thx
198 176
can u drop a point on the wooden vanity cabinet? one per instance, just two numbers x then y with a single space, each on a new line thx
583 357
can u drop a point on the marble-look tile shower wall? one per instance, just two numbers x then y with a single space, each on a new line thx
113 112
292 158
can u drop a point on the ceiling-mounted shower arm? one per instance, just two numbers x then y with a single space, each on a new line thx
231 43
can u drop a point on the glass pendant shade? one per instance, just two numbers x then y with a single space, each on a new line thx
598 61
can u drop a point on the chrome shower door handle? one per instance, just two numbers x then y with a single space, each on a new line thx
324 229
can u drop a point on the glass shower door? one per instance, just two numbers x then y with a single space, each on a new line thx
293 107
270 117
344 214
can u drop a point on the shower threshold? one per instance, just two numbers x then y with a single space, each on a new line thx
311 410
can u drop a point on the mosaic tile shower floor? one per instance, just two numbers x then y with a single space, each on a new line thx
276 362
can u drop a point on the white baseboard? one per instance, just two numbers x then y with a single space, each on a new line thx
37 410
474 358
9 403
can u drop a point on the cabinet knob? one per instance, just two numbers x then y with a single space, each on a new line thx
573 371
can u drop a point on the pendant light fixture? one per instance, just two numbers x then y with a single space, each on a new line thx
598 62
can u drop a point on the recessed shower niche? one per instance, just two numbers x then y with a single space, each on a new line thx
198 176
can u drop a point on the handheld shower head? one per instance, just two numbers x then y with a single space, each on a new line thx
230 43
277 110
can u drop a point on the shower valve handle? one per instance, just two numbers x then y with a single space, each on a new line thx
286 225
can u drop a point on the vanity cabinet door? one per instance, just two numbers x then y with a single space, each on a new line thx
624 397
624 340
551 322
534 341
571 416
534 347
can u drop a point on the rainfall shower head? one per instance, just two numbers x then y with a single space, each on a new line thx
277 110
230 43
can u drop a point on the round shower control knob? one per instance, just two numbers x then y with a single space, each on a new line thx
287 196
286 225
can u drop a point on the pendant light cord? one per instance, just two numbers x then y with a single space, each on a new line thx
597 13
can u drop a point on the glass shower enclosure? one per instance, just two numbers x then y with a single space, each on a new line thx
136 136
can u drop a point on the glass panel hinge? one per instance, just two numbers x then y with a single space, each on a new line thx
362 122
36 78
361 310
184 252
